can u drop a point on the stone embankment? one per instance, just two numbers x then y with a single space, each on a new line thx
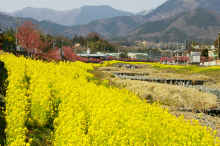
206 89
161 80
216 92
197 84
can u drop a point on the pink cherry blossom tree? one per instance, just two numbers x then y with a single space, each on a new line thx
28 36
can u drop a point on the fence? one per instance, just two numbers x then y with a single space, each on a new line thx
12 48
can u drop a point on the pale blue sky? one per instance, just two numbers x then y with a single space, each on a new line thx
125 5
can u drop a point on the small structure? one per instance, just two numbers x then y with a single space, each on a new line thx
194 58
212 54
139 56
95 56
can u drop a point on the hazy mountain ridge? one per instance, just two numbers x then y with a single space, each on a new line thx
174 7
196 24
180 22
107 28
6 22
144 12
82 15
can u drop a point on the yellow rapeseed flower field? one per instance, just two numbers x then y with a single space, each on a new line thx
88 114
109 63
191 69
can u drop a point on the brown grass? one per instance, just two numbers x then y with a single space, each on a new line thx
2 52
170 95
173 97
155 73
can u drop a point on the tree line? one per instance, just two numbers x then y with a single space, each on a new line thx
29 36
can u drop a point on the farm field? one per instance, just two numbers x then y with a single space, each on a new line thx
180 100
74 103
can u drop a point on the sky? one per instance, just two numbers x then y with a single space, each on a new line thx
133 6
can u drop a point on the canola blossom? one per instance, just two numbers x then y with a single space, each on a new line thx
191 69
109 63
87 114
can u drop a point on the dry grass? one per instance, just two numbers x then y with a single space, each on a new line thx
2 52
155 73
173 96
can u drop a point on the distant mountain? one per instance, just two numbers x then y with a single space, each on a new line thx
174 7
73 17
144 12
197 24
107 28
172 21
5 12
6 22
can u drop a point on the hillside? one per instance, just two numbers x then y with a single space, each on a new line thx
144 12
197 24
185 25
6 22
82 15
174 7
107 28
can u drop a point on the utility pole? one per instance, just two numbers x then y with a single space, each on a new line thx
203 41
150 55
177 52
218 44
17 33
53 42
76 46
45 37
61 53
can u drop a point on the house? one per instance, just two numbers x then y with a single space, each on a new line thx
138 55
180 53
213 47
212 54
95 56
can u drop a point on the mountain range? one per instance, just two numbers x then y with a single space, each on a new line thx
50 27
174 7
196 24
185 19
82 15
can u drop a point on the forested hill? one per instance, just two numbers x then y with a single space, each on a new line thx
195 24
174 7
82 15
6 22
107 28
